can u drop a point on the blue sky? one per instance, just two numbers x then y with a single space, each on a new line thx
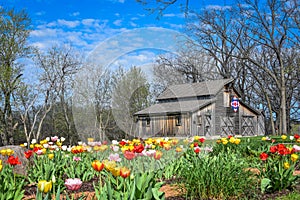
88 24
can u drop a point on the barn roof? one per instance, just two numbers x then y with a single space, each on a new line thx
193 89
175 107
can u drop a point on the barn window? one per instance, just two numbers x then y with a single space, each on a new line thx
199 120
148 121
178 120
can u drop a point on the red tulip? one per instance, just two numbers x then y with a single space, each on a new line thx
138 149
201 140
197 149
263 156
13 160
273 149
28 154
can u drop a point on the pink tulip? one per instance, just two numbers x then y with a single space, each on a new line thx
114 157
73 184
76 158
296 148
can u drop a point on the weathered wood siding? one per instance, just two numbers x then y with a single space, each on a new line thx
200 124
164 126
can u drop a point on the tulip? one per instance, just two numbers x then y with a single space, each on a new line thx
286 165
97 165
129 155
9 152
263 156
294 157
76 158
44 186
51 156
73 184
237 141
54 139
28 154
124 172
178 149
283 137
197 149
109 165
116 171
114 157
157 155
13 160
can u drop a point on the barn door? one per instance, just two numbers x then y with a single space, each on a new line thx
248 125
227 125
170 125
207 125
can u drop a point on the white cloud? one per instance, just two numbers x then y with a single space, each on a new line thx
40 13
70 24
74 14
133 24
170 15
217 7
46 32
117 22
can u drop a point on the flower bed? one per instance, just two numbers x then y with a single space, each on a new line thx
140 169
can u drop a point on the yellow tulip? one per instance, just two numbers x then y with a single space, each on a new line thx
1 166
294 157
9 152
237 141
283 137
263 138
197 137
224 141
44 150
50 156
3 152
44 186
31 146
109 165
116 171
0 162
232 140
178 149
286 165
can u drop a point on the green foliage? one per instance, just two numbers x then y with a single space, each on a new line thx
274 177
221 176
11 185
139 186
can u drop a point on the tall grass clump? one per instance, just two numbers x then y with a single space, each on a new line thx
220 176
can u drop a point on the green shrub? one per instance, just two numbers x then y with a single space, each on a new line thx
222 176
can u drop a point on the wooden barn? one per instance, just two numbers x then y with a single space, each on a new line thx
204 108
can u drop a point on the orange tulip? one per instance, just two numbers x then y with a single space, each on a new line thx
97 165
124 172
157 155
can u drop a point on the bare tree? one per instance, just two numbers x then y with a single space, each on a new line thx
58 66
14 31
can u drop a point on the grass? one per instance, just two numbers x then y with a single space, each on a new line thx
290 196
